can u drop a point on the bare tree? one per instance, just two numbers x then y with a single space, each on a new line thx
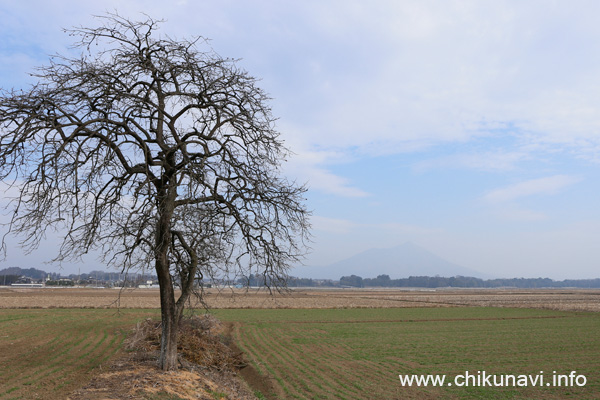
153 152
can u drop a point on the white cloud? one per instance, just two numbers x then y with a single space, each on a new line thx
332 225
325 181
388 76
411 74
541 186
484 161
390 229
312 166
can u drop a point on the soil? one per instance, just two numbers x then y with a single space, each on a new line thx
557 299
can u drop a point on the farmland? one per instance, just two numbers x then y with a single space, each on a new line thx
339 344
49 353
359 353
565 299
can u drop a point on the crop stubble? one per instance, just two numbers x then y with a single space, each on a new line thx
571 300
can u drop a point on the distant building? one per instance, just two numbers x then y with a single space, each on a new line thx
149 285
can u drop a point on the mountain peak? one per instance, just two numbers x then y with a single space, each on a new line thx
404 260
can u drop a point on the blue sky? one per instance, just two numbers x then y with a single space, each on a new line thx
471 128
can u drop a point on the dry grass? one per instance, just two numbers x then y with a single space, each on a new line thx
203 343
208 367
566 300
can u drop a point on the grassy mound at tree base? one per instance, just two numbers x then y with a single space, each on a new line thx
208 366
203 343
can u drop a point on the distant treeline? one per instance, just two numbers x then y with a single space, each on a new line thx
432 282
28 272
13 274
465 282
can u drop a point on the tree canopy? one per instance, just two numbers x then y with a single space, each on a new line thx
157 152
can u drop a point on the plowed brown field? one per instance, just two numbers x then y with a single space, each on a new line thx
571 300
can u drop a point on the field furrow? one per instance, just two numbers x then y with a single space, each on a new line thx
357 354
316 378
56 350
331 351
268 357
342 382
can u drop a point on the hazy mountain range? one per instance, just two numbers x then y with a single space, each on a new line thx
401 261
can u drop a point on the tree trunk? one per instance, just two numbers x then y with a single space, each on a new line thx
170 323
168 308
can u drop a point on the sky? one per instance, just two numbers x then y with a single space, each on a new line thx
470 128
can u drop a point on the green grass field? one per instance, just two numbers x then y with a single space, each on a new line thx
326 353
359 353
47 353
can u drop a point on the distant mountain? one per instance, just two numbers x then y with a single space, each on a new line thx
401 261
